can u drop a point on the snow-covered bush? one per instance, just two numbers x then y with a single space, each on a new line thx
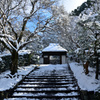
24 59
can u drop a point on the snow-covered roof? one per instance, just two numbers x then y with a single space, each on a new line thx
54 47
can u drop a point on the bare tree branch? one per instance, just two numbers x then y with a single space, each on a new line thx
24 44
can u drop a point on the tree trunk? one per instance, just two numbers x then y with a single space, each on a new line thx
86 67
14 58
97 68
96 57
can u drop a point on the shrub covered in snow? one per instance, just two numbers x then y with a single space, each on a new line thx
25 58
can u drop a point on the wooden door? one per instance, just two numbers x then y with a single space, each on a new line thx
46 59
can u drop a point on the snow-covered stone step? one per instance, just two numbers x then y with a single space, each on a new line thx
61 75
45 77
49 73
45 94
47 86
60 98
52 80
48 76
64 74
41 89
49 97
47 83
47 91
65 70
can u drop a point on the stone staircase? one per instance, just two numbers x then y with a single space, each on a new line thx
56 85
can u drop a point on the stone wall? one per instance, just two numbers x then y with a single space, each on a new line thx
23 60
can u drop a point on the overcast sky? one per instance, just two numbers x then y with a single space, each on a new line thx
72 4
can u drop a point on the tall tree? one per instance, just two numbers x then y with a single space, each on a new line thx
89 21
81 8
60 27
17 16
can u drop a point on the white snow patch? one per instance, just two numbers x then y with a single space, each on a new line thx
0 59
52 67
23 52
67 94
97 23
77 50
19 99
28 94
86 82
2 55
6 82
98 51
48 68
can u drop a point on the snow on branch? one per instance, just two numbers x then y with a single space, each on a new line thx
15 6
2 40
6 36
24 44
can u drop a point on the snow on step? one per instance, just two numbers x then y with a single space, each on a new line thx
48 88
68 94
45 94
41 89
39 99
29 80
50 77
48 82
28 94
70 86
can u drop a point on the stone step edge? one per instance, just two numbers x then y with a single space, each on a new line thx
48 86
75 96
48 80
49 91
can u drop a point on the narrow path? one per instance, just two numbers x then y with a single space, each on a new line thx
52 82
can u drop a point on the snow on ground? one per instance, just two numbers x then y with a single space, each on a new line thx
86 82
48 68
6 82
52 67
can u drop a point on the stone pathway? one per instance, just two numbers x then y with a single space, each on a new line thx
48 84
